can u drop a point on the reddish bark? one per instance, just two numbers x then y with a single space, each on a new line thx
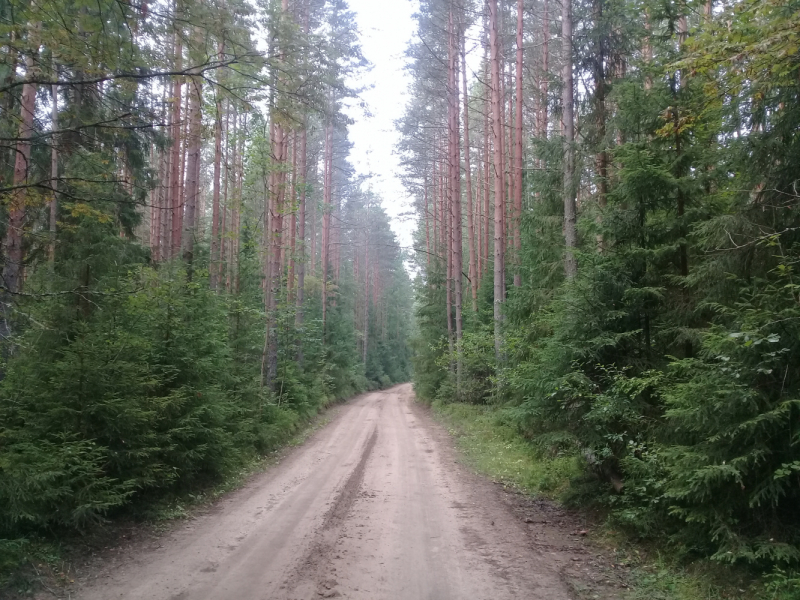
473 267
326 216
292 221
568 127
518 151
177 162
499 194
215 213
545 66
51 252
301 233
12 244
455 187
486 168
193 144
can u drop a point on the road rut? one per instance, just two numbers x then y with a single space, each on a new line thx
373 506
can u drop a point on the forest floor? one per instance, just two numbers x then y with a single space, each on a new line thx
376 504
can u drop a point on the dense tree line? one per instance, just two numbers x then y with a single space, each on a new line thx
623 179
190 267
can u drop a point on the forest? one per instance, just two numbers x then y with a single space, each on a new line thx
606 238
191 268
607 247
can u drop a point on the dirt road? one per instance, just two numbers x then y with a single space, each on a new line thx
373 506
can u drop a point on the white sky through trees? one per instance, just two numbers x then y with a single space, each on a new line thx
386 26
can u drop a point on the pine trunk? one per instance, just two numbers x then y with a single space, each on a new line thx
601 157
215 197
12 244
177 162
518 151
568 128
301 233
486 170
499 194
193 143
292 222
51 251
455 190
326 217
473 267
543 116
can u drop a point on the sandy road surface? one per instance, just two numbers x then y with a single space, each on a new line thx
373 507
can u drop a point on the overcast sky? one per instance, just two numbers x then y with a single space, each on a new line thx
386 27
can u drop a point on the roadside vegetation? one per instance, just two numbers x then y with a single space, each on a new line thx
609 212
491 444
190 269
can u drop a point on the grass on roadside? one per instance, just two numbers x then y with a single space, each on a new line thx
492 446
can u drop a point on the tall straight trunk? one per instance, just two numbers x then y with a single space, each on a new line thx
336 233
234 149
156 158
165 239
177 162
326 216
518 151
444 207
7 105
184 152
486 168
13 241
601 157
193 144
427 227
455 190
224 225
497 139
545 68
473 266
51 251
159 204
366 290
357 304
683 33
435 189
508 161
568 127
165 213
314 233
215 216
276 212
237 215
301 233
680 171
282 256
292 220
478 221
447 235
505 153
273 225
647 51
199 208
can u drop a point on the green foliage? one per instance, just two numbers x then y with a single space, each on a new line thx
126 382
669 365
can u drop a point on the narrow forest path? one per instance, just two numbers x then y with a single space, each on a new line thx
373 506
